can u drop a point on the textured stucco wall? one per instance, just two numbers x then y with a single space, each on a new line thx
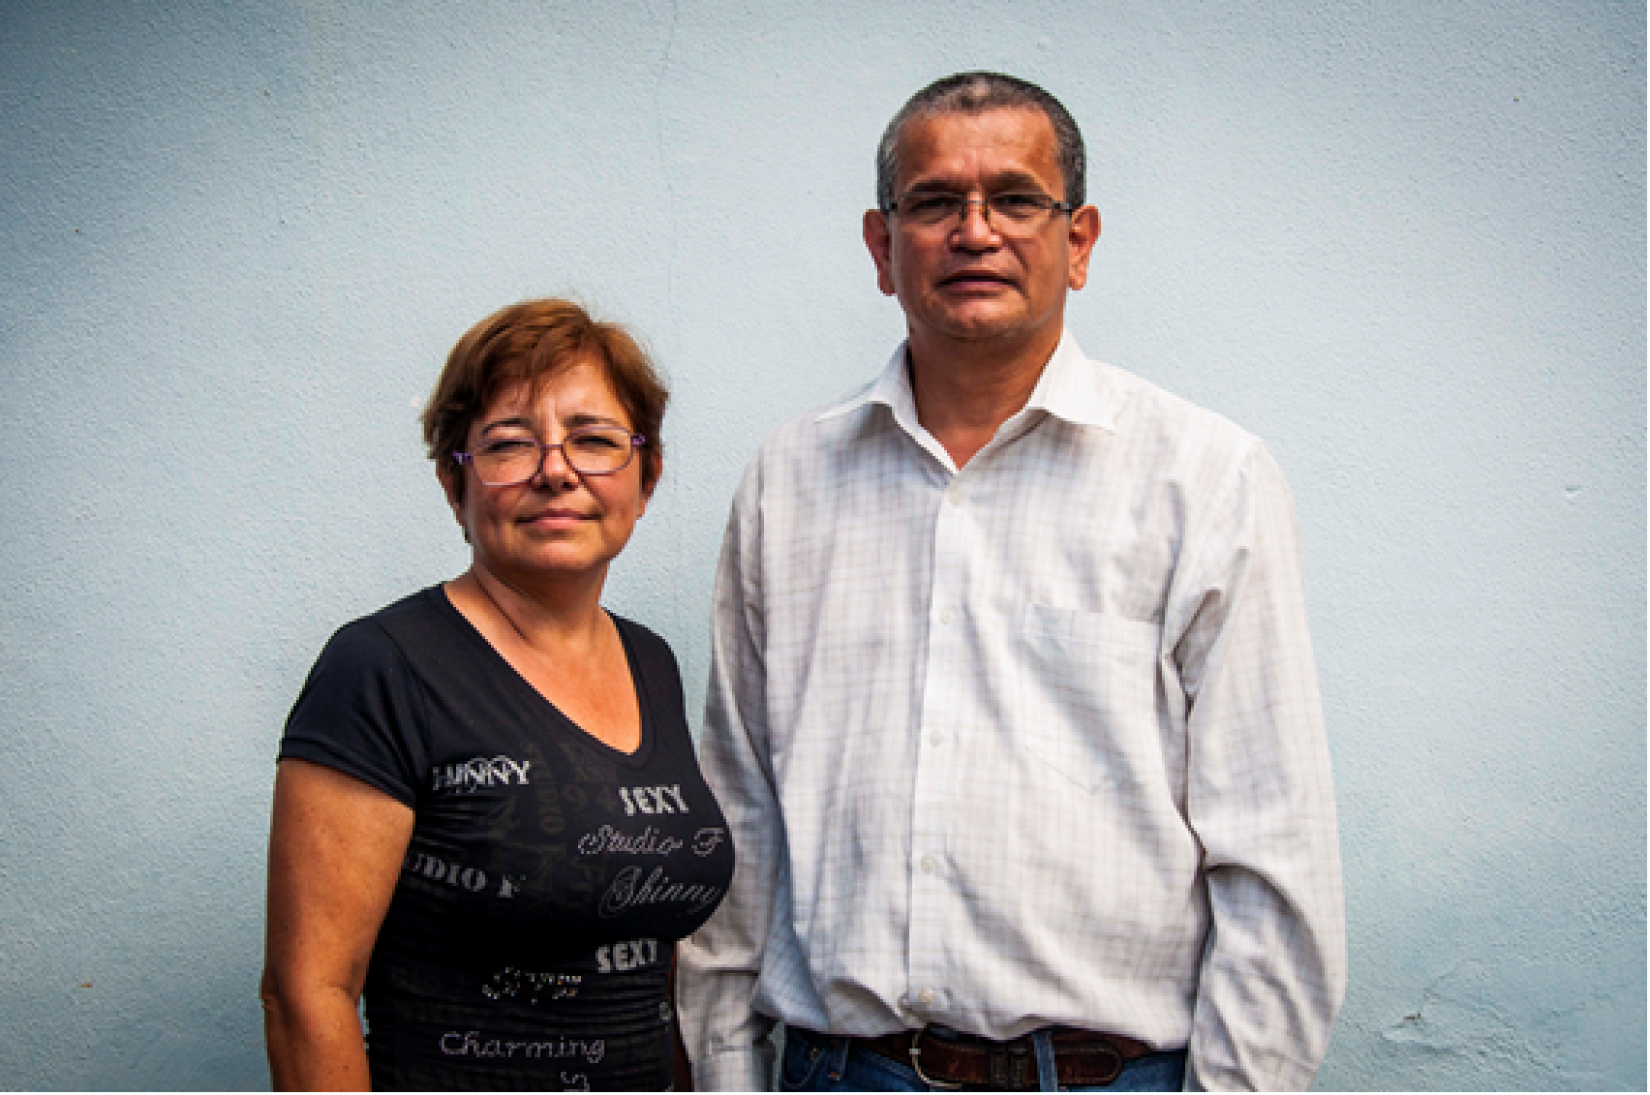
1404 242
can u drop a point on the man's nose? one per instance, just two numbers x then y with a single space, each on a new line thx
974 224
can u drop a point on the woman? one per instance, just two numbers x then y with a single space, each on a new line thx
488 815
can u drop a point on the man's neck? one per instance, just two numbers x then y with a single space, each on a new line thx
965 390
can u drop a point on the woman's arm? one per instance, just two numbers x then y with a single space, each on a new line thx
335 851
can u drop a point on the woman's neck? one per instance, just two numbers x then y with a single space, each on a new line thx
565 616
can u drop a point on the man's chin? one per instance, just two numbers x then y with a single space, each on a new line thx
983 325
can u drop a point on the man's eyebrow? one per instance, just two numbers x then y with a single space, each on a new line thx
1017 180
1004 180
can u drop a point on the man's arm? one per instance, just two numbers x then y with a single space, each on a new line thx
1259 795
727 1040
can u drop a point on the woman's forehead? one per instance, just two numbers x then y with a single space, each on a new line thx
573 389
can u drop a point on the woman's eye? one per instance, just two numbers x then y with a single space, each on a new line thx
595 442
508 446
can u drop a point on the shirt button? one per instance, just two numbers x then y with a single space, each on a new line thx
927 996
956 496
936 739
948 616
929 866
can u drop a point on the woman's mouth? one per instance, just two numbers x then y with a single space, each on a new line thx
556 516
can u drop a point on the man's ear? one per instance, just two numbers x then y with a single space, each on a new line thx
881 245
1080 238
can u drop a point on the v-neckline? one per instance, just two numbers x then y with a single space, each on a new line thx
644 746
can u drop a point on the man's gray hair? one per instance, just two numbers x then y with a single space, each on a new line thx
976 93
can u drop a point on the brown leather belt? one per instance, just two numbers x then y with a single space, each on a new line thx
1082 1058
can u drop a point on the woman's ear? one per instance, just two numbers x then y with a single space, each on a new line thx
658 469
448 475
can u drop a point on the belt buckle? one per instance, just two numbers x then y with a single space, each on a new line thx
1095 1045
1011 1066
1117 1062
916 1065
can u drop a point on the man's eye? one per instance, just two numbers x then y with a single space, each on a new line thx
932 205
1019 204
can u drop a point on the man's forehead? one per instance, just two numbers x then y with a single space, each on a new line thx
1002 141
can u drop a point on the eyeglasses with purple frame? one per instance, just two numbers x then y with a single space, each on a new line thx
593 450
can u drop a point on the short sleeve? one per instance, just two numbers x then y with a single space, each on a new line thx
359 713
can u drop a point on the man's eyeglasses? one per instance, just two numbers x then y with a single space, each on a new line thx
590 450
1014 212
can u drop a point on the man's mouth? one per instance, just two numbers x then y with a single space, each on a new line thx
972 279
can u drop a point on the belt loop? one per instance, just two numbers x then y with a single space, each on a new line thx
839 1058
1048 1078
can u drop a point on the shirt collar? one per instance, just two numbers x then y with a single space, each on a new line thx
891 388
1072 387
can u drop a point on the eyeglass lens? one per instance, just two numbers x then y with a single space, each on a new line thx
1014 210
600 450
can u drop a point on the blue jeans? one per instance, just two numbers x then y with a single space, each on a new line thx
821 1062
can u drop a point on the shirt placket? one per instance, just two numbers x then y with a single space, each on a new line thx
943 698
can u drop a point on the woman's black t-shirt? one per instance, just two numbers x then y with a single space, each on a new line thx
530 936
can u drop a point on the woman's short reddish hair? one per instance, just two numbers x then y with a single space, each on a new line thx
528 343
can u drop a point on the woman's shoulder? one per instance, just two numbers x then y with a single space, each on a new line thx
360 710
649 647
427 607
386 643
642 635
410 621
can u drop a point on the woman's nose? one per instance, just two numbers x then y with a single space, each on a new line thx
558 471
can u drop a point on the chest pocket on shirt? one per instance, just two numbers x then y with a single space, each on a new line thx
1087 696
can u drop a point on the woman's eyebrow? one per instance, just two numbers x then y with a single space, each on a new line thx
587 419
573 421
517 422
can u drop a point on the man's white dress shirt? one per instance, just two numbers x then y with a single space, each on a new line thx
1034 742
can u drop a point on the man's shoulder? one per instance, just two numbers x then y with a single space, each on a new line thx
827 425
1153 415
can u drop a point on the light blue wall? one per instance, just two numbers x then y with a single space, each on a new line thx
1404 243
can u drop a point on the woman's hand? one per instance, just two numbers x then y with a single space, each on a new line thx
681 1068
335 852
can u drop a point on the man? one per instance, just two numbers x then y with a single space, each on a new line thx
1012 707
